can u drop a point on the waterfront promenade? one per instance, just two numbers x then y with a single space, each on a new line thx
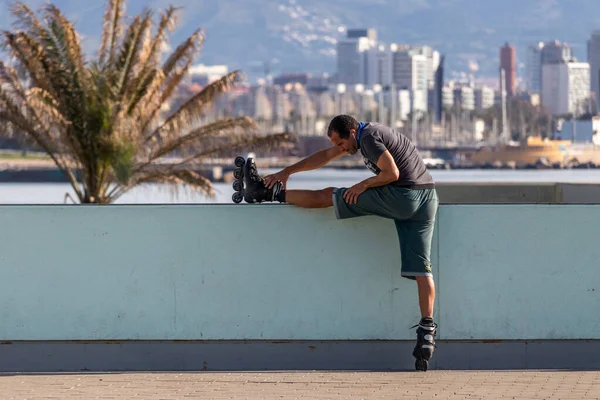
548 385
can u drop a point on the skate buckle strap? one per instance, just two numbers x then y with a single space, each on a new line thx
427 327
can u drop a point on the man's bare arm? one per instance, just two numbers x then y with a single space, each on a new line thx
315 161
389 173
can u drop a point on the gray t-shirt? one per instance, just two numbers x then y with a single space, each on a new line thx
376 138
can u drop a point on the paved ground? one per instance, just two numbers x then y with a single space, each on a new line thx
305 385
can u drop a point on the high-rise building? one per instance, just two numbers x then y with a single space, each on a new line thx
484 98
566 87
540 54
351 60
370 34
378 65
383 63
508 63
409 72
439 84
594 61
556 52
464 97
448 96
533 68
433 61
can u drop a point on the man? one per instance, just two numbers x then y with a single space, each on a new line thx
402 189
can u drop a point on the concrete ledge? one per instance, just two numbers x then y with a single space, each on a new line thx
500 193
518 193
292 355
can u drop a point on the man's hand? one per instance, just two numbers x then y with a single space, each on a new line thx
281 176
351 195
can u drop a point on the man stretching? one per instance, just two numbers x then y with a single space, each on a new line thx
402 189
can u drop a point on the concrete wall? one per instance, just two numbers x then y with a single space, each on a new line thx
279 273
518 193
199 272
519 272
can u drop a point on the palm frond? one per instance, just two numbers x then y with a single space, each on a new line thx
46 68
146 70
24 107
148 84
193 108
175 69
130 51
165 175
73 53
216 128
35 112
111 31
72 60
184 52
229 143
151 53
25 19
30 59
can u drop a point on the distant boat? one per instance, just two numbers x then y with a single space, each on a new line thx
536 149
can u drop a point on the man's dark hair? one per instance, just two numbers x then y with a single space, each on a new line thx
342 124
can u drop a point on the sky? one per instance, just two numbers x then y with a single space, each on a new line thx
468 32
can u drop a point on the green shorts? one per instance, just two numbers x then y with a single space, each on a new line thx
414 213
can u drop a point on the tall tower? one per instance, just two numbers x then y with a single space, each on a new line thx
508 63
439 84
594 61
533 68
352 58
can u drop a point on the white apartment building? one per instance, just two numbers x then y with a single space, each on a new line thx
410 73
565 87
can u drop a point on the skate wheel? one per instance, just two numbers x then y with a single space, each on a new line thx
421 365
240 162
238 186
238 173
237 197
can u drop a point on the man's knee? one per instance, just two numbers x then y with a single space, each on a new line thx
327 193
425 281
326 197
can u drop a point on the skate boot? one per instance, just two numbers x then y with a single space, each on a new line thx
425 343
238 183
250 186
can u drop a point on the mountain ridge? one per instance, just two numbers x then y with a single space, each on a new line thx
294 36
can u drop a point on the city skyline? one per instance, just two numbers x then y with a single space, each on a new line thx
299 35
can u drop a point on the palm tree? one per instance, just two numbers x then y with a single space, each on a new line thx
102 119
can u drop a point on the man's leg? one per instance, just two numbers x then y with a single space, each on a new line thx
334 197
426 288
415 245
310 198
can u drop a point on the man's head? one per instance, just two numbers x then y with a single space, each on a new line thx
342 133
